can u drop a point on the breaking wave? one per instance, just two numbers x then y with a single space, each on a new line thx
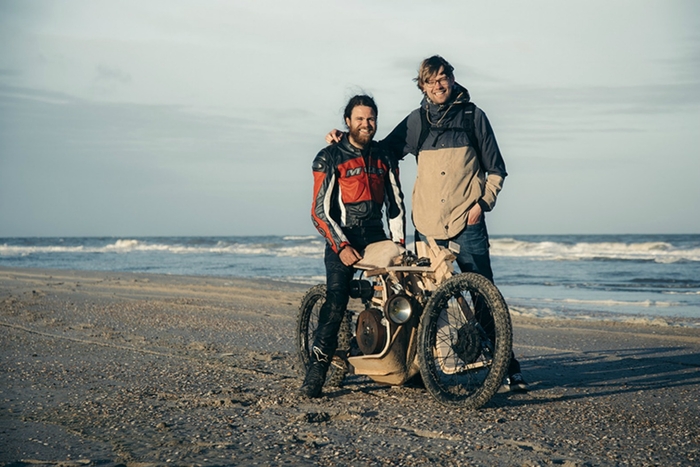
313 245
660 252
308 248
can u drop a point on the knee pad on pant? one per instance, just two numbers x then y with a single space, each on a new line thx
334 309
330 318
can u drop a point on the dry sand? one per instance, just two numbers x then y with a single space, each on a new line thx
102 368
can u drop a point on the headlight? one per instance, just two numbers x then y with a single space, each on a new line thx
399 309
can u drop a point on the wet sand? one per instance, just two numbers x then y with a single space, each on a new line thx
103 368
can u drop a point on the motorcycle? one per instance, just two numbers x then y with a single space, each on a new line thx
418 317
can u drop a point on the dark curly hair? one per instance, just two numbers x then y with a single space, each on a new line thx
363 99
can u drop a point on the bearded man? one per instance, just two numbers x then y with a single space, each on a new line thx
353 180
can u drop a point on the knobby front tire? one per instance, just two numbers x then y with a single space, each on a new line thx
307 323
463 363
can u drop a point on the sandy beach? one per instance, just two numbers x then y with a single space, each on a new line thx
102 368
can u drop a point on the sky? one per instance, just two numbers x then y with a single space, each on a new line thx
170 117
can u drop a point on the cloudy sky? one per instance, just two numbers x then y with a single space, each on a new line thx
202 118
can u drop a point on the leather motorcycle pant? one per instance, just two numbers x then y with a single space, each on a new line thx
338 277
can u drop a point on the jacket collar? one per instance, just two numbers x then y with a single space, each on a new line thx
460 95
345 144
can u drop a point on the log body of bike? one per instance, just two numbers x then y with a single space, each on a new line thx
418 318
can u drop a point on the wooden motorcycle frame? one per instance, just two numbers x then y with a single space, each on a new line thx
419 317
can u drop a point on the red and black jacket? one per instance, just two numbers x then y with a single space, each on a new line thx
350 188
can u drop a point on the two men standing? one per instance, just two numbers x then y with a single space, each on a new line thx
460 174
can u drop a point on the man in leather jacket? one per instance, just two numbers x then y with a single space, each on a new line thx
353 179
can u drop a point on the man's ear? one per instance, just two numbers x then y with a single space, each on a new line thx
347 122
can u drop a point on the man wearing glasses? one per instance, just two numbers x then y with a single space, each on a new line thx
460 172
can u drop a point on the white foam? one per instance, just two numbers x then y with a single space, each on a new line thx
548 313
310 249
661 252
125 246
11 250
531 312
310 280
312 246
612 303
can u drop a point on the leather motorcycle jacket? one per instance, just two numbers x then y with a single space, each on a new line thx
350 188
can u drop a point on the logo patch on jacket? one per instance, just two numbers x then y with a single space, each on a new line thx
370 170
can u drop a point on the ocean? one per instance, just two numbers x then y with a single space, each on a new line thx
653 279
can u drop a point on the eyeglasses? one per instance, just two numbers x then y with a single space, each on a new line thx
433 82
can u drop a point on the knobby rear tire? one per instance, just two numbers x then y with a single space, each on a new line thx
446 340
307 323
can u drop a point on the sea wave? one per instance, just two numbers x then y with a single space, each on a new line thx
612 303
300 237
310 280
13 250
660 252
307 249
313 245
546 313
608 303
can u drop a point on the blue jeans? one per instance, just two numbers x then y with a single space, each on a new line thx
473 244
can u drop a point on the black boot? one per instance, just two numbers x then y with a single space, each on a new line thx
315 375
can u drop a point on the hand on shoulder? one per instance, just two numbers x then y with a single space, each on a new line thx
334 136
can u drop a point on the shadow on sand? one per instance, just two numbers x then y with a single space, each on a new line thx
588 374
603 373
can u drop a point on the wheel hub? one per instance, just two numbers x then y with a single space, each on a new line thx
468 345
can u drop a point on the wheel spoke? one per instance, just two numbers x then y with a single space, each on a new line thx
464 363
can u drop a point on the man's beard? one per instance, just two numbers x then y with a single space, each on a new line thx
360 137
